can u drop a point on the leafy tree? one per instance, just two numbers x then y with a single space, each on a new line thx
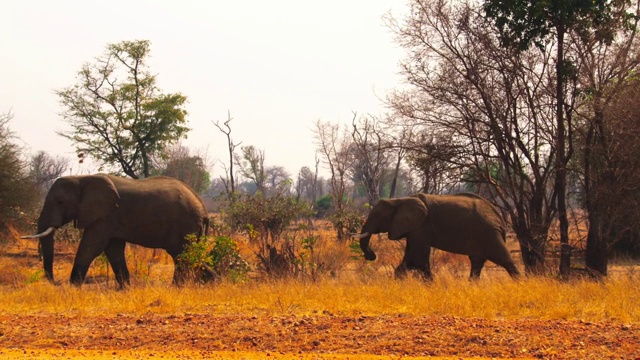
306 185
277 180
251 164
190 169
117 113
323 205
17 194
524 22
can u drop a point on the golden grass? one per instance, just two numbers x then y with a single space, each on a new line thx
359 288
616 299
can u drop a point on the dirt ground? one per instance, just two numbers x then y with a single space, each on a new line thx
322 335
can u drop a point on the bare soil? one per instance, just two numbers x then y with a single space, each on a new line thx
312 336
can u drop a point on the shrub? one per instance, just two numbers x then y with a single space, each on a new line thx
264 219
226 260
346 221
206 259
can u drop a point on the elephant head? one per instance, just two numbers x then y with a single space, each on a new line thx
397 217
83 199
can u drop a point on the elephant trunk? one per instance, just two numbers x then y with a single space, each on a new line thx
46 228
46 248
369 254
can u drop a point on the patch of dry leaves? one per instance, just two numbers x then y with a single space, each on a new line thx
203 335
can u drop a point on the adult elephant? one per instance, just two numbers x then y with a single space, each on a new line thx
156 212
463 224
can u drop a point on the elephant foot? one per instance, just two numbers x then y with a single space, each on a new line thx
76 279
400 272
515 274
425 275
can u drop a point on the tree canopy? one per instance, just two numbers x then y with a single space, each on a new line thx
117 113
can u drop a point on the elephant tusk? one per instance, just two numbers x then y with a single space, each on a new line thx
360 236
38 236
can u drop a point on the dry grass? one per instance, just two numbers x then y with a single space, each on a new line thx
540 298
348 287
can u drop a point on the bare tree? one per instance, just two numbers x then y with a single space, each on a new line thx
335 146
371 154
277 180
398 142
609 170
45 169
307 184
435 160
490 104
225 128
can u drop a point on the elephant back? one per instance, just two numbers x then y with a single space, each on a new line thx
490 210
161 205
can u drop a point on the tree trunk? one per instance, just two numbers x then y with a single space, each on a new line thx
561 163
532 248
396 171
597 253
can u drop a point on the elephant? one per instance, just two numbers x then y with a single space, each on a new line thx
156 212
463 223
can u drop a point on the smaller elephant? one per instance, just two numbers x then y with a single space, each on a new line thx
464 224
156 212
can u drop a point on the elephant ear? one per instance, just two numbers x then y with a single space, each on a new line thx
409 215
98 198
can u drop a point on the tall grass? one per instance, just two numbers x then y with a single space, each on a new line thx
615 299
358 288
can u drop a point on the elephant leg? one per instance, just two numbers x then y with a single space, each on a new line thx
90 247
401 270
477 263
179 272
417 257
115 255
425 271
511 268
179 268
504 259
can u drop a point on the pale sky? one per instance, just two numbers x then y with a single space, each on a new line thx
278 66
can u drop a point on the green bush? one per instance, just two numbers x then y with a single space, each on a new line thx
346 221
213 259
323 206
226 260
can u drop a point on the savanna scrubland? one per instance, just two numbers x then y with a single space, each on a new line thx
356 308
535 111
